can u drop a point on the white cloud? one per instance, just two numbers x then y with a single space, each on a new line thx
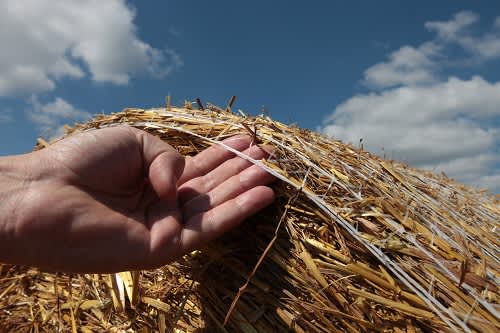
455 31
486 47
49 117
408 65
47 40
423 124
477 170
414 115
450 30
491 182
412 66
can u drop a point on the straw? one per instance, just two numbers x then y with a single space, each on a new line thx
353 243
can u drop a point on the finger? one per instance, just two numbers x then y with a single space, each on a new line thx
229 168
206 226
212 157
163 164
247 179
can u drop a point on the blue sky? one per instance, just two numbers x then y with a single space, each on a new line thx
417 81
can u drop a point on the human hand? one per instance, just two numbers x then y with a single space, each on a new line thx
119 199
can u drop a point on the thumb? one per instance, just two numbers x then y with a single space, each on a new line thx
163 165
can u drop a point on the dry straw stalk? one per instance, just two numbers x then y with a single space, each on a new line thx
353 243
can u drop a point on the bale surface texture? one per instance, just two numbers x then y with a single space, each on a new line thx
353 243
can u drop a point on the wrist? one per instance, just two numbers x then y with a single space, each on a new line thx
16 179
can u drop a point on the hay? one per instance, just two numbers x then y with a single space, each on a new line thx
353 243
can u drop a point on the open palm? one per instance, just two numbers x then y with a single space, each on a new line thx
118 199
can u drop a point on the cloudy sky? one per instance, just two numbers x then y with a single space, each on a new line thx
418 82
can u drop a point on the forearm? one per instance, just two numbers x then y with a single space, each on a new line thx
15 180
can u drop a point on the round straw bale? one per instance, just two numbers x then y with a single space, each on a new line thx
352 243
